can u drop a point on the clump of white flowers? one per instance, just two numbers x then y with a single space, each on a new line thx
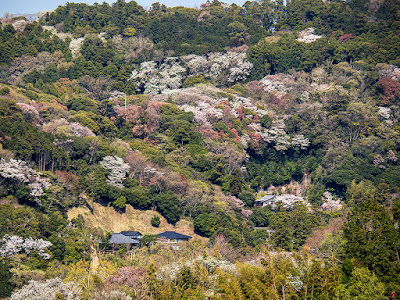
384 112
19 170
14 244
290 201
222 67
278 136
156 77
75 46
307 36
118 169
48 290
211 263
153 77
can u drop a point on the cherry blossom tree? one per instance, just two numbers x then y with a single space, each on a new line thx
118 170
19 171
14 244
63 127
48 290
222 67
154 78
32 112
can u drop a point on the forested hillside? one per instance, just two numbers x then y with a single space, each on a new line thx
114 117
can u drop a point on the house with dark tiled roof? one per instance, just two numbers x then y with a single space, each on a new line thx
128 238
132 234
266 200
119 239
173 237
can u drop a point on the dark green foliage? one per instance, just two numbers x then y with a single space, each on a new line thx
155 221
256 237
138 197
292 228
266 121
58 247
372 239
186 279
261 217
247 198
168 205
205 224
315 193
6 286
86 104
178 125
182 132
96 182
347 270
93 49
396 210
273 167
211 224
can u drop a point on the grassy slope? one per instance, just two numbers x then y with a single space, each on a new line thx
107 219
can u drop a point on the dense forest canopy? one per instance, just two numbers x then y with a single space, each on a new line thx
115 117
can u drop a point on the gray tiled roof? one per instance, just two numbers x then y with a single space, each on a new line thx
118 238
266 198
131 233
172 235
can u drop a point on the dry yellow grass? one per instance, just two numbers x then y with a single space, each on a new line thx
108 219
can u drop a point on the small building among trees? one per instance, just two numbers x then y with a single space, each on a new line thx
266 200
125 238
132 234
173 237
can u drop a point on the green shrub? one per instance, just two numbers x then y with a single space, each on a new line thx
4 91
155 221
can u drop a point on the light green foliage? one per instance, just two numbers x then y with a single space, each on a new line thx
4 91
129 31
97 123
23 221
193 80
120 202
362 286
193 157
361 192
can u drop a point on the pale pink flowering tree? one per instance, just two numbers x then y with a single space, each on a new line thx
31 111
391 156
378 161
